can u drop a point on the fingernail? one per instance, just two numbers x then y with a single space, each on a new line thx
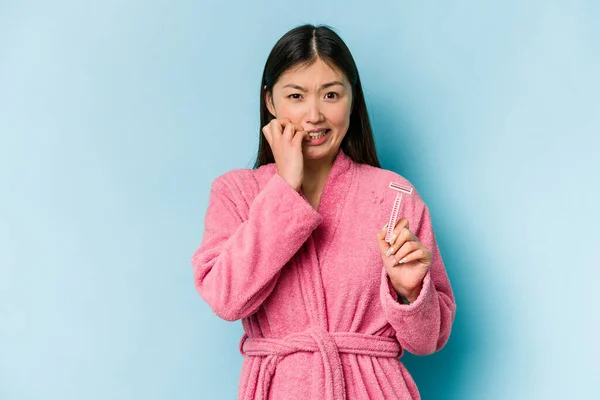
390 250
383 229
401 261
392 239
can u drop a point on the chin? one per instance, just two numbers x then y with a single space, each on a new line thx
315 153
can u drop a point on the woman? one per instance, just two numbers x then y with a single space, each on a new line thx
296 250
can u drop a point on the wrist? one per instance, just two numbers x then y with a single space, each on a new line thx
296 186
412 297
409 296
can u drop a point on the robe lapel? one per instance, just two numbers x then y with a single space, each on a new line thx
307 263
311 256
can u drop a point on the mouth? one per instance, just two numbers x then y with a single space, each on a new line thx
318 134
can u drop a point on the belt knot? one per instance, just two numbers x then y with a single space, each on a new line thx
329 345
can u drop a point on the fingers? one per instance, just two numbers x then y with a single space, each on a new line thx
400 224
294 133
401 236
279 127
285 122
383 246
299 137
381 233
420 254
404 235
288 132
274 127
267 133
408 248
282 121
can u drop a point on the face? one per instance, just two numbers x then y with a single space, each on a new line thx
314 97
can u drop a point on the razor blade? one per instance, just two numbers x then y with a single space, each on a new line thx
396 207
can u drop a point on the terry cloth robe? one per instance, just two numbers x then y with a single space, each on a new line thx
320 316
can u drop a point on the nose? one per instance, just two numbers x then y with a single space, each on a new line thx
313 113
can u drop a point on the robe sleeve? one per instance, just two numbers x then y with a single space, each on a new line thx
240 259
422 327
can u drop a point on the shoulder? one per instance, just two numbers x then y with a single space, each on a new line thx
378 176
242 181
379 179
233 179
375 182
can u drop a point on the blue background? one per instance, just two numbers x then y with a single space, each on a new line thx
116 116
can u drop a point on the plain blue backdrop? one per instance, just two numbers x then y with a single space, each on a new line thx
116 116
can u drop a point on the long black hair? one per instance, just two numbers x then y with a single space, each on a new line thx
303 45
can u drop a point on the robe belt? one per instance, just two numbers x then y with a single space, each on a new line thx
328 344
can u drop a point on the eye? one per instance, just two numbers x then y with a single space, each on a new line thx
291 96
334 93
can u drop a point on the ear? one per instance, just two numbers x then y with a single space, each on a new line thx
269 102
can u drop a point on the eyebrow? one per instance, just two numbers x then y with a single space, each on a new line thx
326 85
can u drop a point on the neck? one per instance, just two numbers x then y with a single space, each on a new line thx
315 174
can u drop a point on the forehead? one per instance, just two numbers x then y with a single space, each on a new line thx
316 73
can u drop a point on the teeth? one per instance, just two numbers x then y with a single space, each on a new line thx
316 135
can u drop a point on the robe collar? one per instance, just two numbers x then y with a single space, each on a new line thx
336 185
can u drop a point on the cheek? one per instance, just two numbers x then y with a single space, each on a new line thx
339 116
290 112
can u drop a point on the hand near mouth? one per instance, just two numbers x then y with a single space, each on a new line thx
285 140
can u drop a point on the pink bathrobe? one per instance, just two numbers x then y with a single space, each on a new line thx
321 318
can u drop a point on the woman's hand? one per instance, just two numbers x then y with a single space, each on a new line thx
285 140
405 258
